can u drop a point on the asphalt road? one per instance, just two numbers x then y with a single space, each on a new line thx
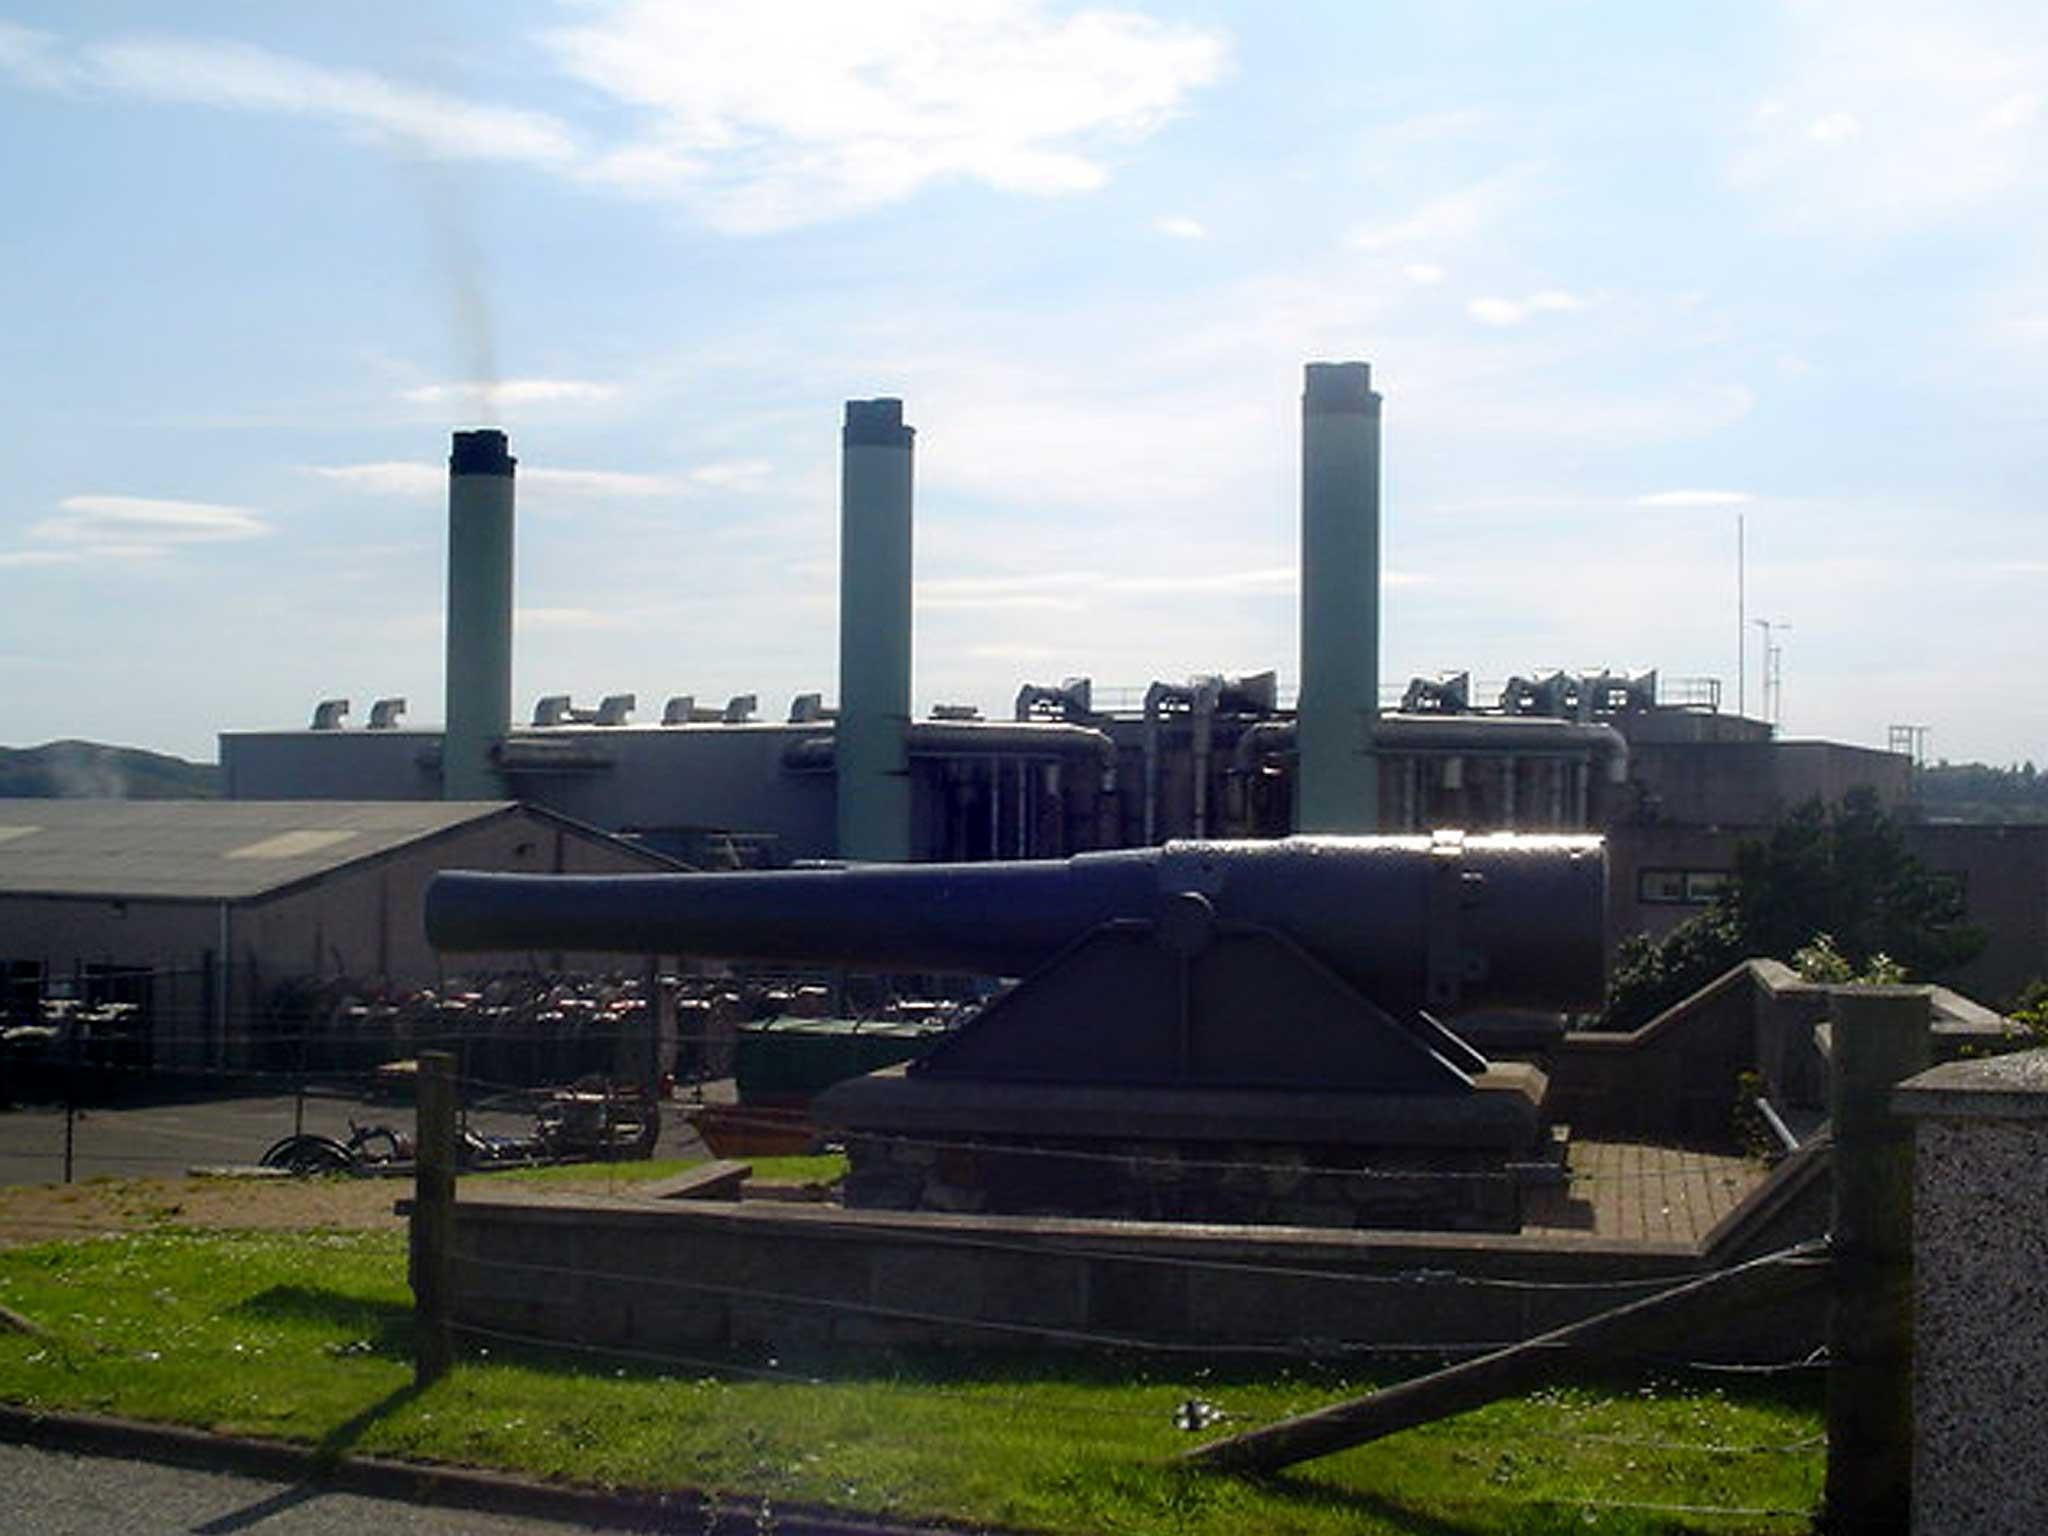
166 1140
50 1493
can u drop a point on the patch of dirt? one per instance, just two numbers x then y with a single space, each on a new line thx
106 1207
38 1213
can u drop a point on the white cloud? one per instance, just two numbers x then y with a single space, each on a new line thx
1695 499
32 57
120 524
419 480
1180 227
570 620
758 117
598 482
1423 274
1833 128
238 76
1896 112
2013 113
1448 220
769 117
388 477
1499 311
21 559
493 394
736 474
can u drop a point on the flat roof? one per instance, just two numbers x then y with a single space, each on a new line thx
208 850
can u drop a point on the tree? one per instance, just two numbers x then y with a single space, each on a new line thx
1842 871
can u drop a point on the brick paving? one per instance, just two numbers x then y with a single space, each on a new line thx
1631 1192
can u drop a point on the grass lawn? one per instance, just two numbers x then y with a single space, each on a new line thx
306 1337
825 1169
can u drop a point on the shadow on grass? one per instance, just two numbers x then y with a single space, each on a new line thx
336 1444
1310 1492
385 1325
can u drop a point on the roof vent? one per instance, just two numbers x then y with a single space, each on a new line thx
739 709
553 709
809 709
680 710
384 714
614 708
1072 700
327 714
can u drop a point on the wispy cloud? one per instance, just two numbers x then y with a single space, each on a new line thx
494 394
1446 221
736 474
757 118
1180 227
770 117
25 559
1833 145
245 78
148 522
422 480
570 620
1498 311
1695 499
388 477
33 57
1424 274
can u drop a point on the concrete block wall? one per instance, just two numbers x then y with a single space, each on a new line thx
1980 1268
653 1275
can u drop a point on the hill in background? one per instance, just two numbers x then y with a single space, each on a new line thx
85 770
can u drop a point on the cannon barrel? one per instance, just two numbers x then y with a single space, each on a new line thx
1450 921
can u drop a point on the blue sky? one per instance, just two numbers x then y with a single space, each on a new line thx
1625 273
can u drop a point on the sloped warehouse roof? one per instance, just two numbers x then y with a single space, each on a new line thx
207 850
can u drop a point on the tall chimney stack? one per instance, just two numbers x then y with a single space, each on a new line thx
874 633
1336 787
479 674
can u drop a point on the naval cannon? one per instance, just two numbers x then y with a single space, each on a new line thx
1215 994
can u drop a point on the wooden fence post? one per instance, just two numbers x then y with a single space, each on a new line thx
433 1217
1882 1036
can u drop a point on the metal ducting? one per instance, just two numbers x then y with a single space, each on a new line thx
479 671
874 633
1337 787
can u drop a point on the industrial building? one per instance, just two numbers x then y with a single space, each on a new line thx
1672 780
188 916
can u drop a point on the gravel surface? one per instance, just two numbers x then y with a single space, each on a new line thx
48 1493
131 1167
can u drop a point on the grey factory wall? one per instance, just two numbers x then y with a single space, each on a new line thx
329 765
361 922
1749 784
2002 872
365 921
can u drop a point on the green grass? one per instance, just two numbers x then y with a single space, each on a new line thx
825 1169
306 1337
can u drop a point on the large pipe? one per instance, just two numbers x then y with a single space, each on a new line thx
874 633
1491 919
478 712
1337 787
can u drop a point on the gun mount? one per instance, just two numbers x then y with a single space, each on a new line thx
1234 992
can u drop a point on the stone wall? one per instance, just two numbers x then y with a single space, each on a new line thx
1980 1267
1439 1188
645 1274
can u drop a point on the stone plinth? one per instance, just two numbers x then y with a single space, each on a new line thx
1980 1238
1452 1162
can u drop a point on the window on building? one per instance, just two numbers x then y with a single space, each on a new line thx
1680 887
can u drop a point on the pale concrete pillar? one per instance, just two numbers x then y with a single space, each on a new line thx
1336 784
872 734
478 680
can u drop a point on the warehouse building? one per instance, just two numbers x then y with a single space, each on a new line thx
178 922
